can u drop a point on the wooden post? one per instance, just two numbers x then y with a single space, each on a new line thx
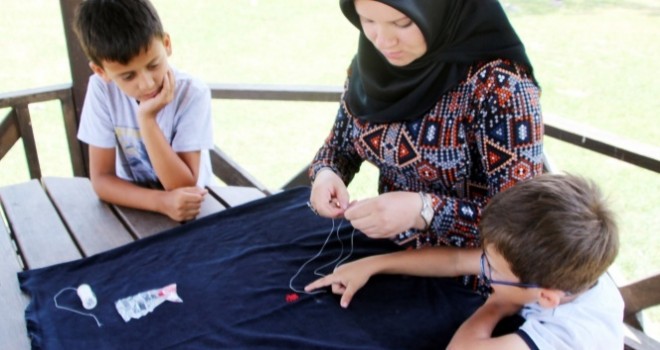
78 62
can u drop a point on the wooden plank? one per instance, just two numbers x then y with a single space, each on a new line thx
80 72
235 195
583 136
313 93
9 133
78 61
76 148
25 97
230 172
144 223
29 144
91 221
640 295
549 165
211 205
637 340
42 238
13 331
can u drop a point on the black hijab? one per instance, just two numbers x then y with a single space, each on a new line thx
458 33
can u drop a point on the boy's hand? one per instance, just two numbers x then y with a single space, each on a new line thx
183 203
346 280
150 107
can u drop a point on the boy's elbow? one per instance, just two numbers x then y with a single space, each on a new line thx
100 184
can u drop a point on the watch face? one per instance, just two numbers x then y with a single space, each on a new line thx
427 210
427 213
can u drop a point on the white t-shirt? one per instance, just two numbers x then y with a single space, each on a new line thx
594 320
109 120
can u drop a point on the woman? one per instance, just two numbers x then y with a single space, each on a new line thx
441 98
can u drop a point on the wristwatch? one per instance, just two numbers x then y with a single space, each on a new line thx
427 210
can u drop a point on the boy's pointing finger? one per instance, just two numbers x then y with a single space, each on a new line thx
319 283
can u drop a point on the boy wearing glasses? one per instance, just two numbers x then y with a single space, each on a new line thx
547 243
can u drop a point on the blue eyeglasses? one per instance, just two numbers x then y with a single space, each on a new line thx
489 278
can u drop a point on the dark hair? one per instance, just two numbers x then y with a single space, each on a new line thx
116 30
554 230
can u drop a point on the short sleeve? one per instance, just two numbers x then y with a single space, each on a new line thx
193 129
96 127
572 325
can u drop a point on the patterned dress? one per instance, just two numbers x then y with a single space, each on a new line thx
480 138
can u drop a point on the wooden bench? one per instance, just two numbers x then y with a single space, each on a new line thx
638 296
61 219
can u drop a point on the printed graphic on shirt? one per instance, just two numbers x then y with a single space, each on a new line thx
135 156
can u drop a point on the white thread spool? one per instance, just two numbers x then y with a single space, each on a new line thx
86 296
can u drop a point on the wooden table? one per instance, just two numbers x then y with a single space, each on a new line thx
61 219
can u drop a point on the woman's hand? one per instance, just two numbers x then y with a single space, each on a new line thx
387 215
329 196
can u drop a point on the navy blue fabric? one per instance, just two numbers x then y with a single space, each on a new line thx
508 325
232 270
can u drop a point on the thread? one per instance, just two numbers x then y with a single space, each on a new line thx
339 260
98 323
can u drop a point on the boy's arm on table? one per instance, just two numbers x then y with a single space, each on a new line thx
426 262
476 331
180 204
174 170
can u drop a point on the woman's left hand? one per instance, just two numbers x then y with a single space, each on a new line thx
387 215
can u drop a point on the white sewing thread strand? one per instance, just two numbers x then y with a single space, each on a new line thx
339 260
308 261
341 252
98 323
319 254
350 252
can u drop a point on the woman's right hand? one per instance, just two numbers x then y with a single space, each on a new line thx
329 195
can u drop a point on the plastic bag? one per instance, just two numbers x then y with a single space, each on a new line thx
140 304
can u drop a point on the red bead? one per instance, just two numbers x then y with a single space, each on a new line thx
292 297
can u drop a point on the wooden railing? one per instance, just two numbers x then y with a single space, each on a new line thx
16 125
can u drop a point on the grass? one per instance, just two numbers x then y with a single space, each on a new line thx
597 62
